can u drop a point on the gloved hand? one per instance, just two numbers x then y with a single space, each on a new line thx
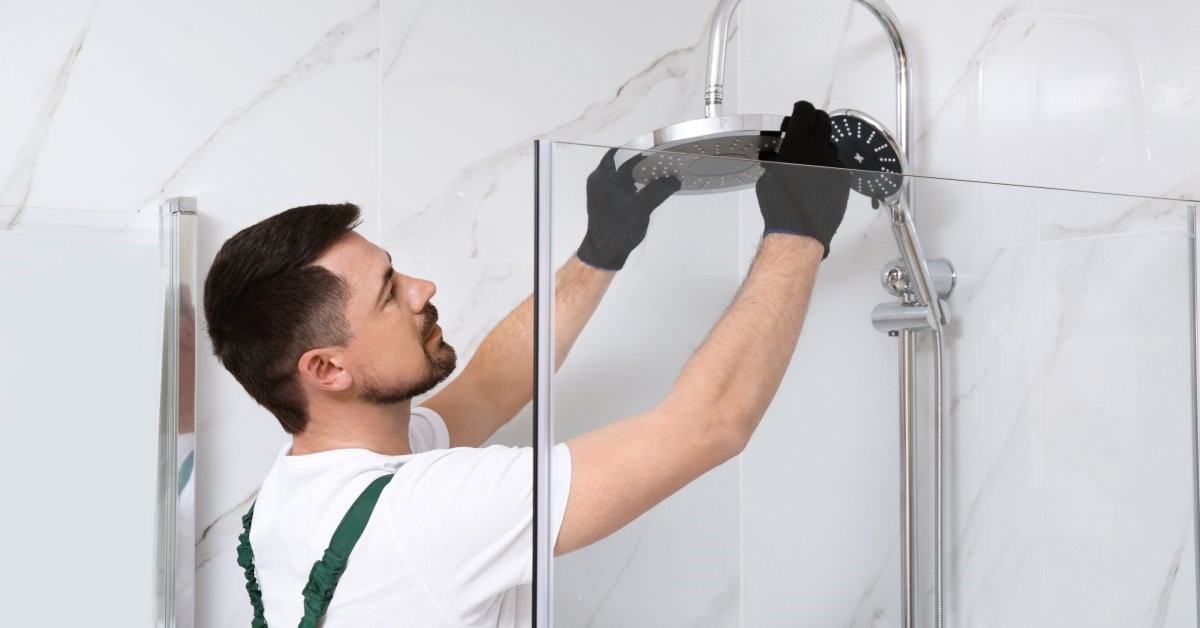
804 201
618 214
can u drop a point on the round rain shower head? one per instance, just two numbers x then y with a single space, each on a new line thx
707 155
865 146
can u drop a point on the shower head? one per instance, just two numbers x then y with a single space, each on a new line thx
865 146
687 150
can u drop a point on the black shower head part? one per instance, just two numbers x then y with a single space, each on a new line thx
866 147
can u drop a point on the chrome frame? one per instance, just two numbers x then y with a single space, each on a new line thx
177 246
1194 314
543 399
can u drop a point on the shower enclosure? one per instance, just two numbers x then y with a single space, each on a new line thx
1070 462
97 336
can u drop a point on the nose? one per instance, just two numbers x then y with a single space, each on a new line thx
420 291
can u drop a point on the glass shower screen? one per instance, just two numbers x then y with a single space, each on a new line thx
96 338
1070 477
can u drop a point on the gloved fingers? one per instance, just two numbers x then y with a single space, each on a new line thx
823 126
656 192
626 169
786 121
607 163
802 119
767 155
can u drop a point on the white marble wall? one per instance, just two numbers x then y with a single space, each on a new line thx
424 113
1068 405
252 108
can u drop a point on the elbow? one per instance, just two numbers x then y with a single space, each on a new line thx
719 430
734 435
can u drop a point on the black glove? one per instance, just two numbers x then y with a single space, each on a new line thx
804 201
618 214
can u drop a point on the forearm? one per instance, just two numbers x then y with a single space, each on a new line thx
578 290
498 381
737 370
623 469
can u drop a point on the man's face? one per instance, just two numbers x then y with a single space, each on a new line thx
396 350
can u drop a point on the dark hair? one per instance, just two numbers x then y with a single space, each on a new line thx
267 303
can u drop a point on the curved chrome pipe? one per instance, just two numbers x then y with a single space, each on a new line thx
717 34
904 108
714 90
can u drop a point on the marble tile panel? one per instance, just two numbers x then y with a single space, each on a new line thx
549 70
992 438
666 568
677 565
1117 93
956 215
820 495
974 96
1074 215
108 132
1116 418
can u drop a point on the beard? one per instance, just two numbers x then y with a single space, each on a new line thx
439 364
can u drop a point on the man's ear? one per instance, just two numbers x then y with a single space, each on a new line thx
324 369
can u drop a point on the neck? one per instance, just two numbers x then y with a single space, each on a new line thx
341 424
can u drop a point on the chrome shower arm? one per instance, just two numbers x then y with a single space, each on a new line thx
714 90
717 34
904 108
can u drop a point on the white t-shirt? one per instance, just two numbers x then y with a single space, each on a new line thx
449 542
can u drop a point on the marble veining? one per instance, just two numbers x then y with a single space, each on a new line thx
1162 604
484 298
633 552
1000 24
867 605
1084 272
837 54
973 522
217 535
327 50
411 24
1140 215
456 209
19 183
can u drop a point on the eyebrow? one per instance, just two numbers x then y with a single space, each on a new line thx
387 278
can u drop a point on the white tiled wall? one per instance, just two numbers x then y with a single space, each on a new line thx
424 113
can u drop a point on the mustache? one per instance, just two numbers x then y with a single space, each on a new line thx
431 318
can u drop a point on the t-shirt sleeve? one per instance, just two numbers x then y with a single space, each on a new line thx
464 520
427 431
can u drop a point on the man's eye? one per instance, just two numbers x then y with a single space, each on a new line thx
391 296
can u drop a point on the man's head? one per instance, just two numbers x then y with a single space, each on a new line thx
301 305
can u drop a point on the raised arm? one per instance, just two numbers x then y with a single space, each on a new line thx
498 381
623 469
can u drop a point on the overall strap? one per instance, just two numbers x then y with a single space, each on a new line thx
325 573
323 578
245 558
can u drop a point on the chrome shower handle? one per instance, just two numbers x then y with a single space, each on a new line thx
910 251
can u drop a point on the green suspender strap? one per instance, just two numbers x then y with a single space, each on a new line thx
323 578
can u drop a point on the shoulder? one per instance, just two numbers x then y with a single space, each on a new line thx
427 430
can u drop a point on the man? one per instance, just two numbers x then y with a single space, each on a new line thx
313 321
